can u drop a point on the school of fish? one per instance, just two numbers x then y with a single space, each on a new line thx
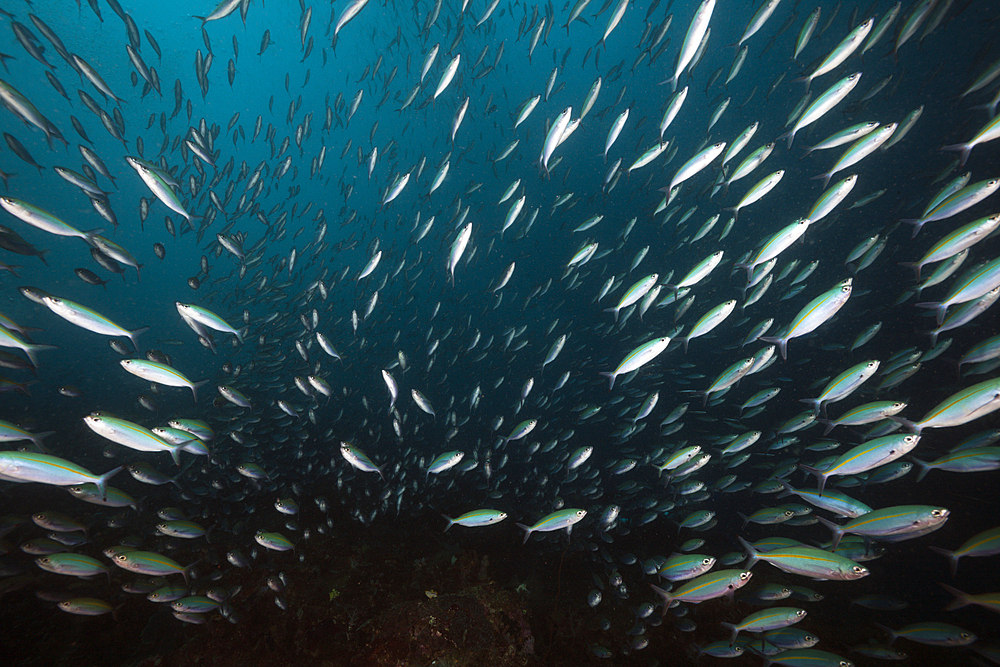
568 294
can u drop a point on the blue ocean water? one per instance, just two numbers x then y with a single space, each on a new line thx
378 544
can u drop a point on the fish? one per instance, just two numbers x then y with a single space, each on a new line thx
638 358
205 317
151 563
692 40
359 459
891 524
88 319
813 315
863 458
566 518
768 619
161 374
349 13
706 587
475 518
44 220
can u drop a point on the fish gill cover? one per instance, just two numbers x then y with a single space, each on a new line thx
379 264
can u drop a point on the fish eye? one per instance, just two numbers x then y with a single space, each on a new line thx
121 557
706 561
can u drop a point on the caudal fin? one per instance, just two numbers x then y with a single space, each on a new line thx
132 335
918 224
950 555
102 482
961 599
964 149
819 474
752 554
814 403
667 598
733 631
923 468
835 529
782 344
30 350
611 380
916 266
195 387
938 307
527 531
38 439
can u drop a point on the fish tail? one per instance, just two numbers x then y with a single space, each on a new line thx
918 224
961 599
173 480
187 572
102 482
89 235
830 425
746 267
924 468
135 334
752 554
667 598
934 305
527 531
194 389
733 631
813 402
916 266
950 555
964 149
39 438
30 350
451 522
745 518
820 477
835 529
892 633
611 380
782 344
